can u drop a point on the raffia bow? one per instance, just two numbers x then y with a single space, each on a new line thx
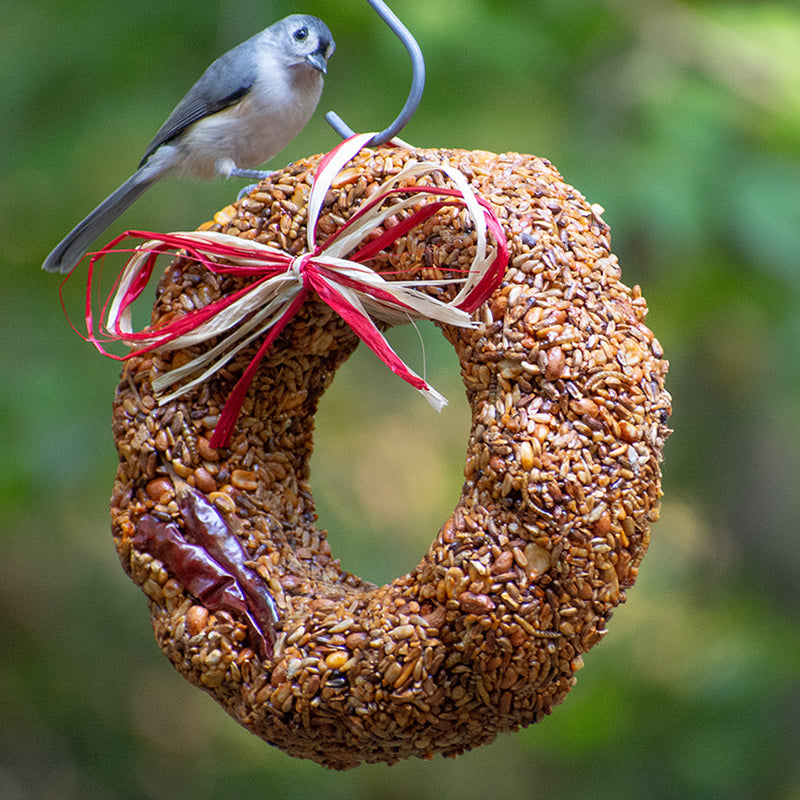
334 270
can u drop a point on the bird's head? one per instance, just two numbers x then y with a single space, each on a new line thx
307 41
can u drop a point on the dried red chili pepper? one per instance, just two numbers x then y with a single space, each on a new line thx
205 526
202 576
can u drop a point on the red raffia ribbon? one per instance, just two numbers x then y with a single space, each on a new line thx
334 270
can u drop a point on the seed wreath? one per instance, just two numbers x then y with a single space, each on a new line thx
562 481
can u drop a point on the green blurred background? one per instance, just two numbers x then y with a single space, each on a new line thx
683 121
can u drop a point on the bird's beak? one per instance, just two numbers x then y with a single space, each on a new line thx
318 62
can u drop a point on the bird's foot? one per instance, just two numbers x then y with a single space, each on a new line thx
250 174
246 191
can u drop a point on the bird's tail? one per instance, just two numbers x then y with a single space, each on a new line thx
74 245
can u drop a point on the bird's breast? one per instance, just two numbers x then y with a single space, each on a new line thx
255 128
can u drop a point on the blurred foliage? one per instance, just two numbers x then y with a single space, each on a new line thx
683 120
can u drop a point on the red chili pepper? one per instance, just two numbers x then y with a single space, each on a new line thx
206 579
205 526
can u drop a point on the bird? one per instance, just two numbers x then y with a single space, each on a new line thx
246 107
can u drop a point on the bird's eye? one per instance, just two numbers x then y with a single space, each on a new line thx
301 34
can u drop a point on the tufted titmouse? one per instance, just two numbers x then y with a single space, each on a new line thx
249 104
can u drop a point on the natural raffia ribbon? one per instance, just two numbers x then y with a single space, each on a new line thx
335 270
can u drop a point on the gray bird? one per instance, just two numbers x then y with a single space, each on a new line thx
246 107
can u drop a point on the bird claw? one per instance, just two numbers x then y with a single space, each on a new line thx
256 174
246 191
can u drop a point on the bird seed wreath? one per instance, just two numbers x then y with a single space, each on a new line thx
562 480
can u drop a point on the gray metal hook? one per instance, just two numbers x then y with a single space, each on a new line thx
417 81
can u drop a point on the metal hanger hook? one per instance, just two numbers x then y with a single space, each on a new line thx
417 81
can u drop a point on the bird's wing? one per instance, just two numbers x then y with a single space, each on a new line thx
223 84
